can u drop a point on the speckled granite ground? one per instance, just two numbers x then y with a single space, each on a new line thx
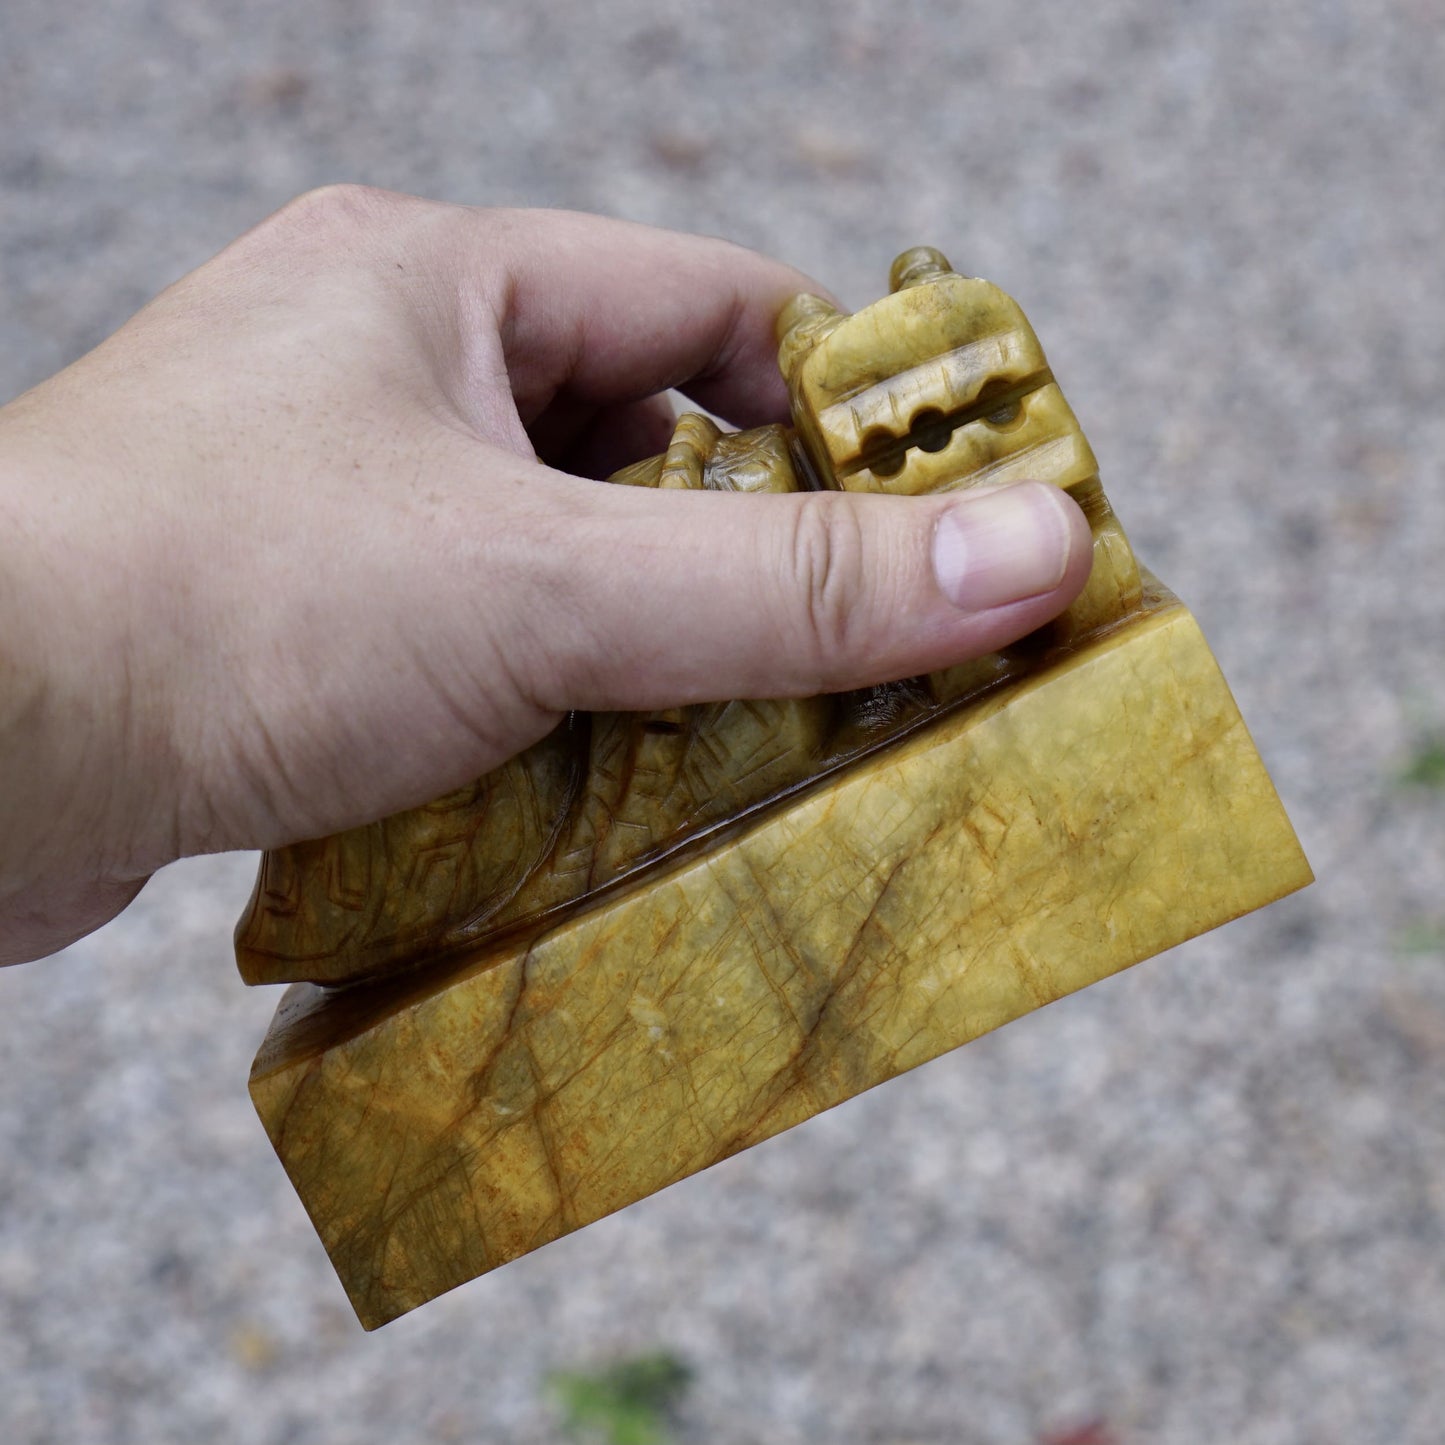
1204 1201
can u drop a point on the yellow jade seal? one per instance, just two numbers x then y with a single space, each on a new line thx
653 940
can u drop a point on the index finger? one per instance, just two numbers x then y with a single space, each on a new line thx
601 311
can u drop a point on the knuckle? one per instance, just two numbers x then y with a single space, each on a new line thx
826 562
343 203
333 220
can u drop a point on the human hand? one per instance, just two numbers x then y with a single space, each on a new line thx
311 540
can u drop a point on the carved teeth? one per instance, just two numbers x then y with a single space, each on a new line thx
931 430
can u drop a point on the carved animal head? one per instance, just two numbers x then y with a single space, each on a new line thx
940 384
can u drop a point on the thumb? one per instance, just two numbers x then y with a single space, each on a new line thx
674 597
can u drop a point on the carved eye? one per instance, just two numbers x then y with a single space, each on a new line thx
663 726
1009 412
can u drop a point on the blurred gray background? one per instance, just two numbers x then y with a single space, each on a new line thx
1204 1201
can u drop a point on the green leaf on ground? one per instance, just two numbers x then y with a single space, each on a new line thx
627 1403
1421 937
1426 767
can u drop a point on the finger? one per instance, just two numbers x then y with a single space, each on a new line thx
667 598
605 311
592 443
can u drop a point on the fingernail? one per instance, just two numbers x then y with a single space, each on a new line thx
1000 546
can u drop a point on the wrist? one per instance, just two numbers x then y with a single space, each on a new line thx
72 791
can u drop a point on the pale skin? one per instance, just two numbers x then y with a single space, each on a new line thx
314 538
